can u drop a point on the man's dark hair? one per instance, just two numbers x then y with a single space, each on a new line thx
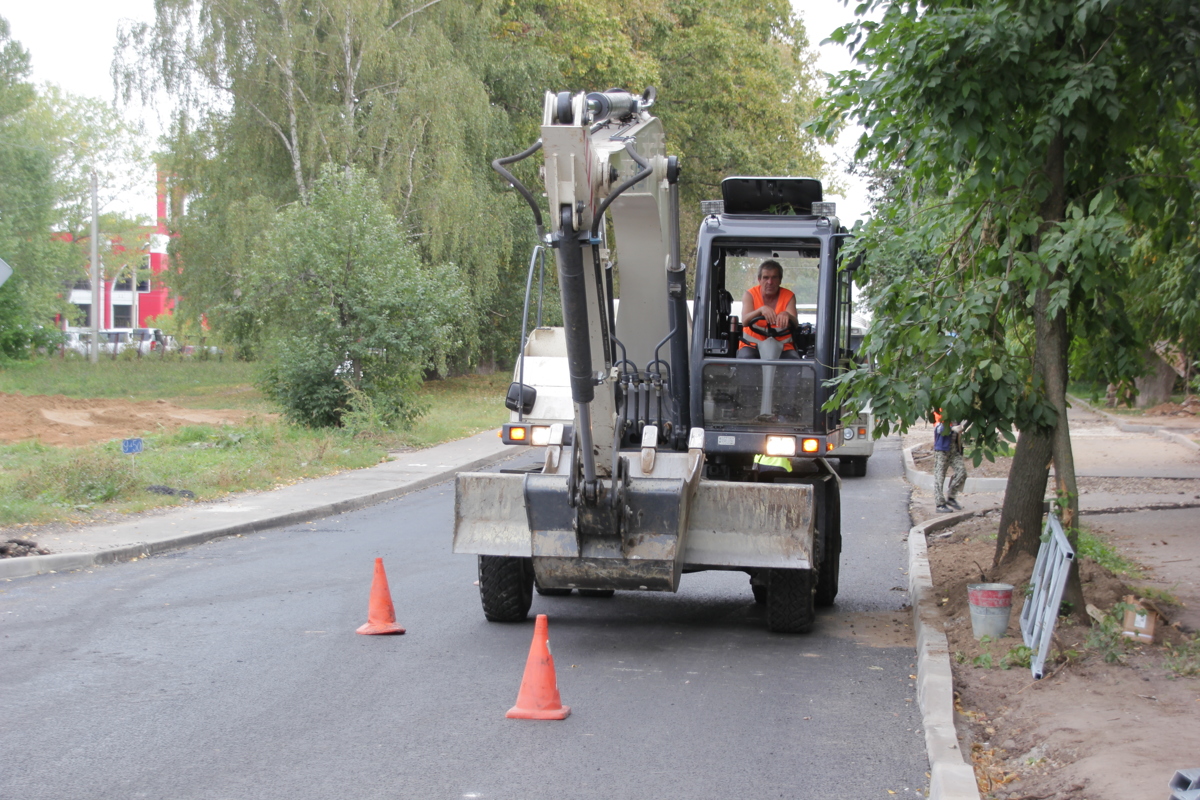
770 263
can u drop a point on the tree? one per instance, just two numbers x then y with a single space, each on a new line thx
30 298
393 89
346 306
423 96
1019 126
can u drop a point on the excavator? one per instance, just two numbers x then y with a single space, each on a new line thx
664 453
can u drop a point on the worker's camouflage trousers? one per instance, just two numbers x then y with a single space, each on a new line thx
953 461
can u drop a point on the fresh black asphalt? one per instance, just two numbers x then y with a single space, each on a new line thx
232 670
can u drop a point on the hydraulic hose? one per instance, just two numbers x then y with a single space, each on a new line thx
498 165
615 193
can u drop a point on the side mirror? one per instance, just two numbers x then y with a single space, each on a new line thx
520 398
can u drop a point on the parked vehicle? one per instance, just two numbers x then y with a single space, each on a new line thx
77 340
114 340
152 340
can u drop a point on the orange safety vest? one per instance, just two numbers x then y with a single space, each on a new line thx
758 330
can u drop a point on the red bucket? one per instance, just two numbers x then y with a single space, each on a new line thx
991 605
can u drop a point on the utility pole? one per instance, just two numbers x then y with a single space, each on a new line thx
95 309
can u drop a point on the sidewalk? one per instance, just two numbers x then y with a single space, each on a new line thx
148 534
1131 461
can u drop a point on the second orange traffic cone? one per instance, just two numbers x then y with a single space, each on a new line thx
381 614
538 698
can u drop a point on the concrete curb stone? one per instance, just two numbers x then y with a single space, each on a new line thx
27 566
951 776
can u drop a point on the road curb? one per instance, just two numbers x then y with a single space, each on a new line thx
28 566
1132 427
924 480
951 776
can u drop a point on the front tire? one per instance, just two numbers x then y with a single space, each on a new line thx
505 587
790 601
829 563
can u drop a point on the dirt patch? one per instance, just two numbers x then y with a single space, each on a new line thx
64 421
1091 728
1189 407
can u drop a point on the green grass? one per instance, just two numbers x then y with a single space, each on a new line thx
40 483
188 382
1106 555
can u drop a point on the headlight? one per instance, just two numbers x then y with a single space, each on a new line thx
848 434
540 435
781 445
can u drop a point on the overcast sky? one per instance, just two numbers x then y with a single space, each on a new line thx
71 44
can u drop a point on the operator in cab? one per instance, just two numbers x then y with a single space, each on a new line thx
768 311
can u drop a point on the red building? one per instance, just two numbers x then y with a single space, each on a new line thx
122 304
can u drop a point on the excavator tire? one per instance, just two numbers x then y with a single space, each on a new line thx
505 587
790 607
760 593
597 592
831 548
552 592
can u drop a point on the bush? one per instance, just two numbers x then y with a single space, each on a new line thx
347 307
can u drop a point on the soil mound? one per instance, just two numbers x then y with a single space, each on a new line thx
65 421
1189 407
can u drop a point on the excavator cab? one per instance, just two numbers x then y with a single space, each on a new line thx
768 406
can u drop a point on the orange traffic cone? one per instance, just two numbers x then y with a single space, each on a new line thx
381 614
538 698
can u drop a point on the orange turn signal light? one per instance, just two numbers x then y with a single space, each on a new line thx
810 445
516 433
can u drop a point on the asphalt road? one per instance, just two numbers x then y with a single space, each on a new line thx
232 670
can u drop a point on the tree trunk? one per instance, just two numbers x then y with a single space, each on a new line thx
1028 476
1155 386
1021 517
1050 365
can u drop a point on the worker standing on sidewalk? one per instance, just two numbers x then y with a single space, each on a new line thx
948 454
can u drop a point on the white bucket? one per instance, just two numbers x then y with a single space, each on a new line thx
991 606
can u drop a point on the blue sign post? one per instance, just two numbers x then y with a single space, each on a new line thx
131 447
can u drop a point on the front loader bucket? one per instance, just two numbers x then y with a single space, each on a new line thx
728 525
489 514
750 525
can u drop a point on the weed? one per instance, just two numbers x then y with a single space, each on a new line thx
1105 636
82 480
1183 660
1018 656
1162 597
960 657
983 661
1105 555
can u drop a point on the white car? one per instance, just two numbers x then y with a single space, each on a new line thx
152 340
114 340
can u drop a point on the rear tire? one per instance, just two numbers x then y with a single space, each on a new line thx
505 587
597 592
790 595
